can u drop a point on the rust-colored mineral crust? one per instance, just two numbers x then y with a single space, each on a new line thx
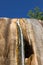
32 30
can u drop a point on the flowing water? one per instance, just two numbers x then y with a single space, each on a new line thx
21 45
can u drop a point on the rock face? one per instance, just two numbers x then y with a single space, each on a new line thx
32 31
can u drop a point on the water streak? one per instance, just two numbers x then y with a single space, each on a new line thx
21 49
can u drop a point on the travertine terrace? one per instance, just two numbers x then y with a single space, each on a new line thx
32 30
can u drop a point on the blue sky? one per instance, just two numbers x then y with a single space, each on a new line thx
18 8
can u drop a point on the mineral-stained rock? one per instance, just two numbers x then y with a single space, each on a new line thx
32 30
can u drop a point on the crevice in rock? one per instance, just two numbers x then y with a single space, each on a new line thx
28 49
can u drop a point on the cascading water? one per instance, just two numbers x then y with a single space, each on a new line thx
21 44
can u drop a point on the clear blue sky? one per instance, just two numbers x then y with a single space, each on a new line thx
18 8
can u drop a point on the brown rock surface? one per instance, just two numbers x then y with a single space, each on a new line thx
33 41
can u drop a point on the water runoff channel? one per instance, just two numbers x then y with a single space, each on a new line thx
21 45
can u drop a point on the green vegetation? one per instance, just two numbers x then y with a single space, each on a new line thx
35 13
